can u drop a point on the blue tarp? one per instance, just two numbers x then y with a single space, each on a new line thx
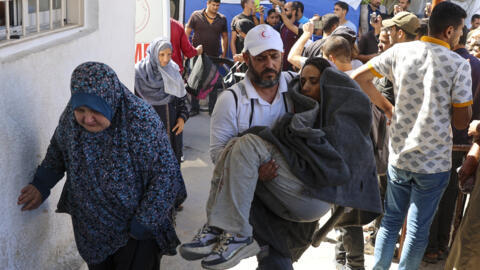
312 7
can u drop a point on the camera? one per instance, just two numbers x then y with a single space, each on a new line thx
373 18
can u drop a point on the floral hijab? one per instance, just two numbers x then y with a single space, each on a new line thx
123 176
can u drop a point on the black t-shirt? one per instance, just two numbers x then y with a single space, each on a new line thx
239 41
368 43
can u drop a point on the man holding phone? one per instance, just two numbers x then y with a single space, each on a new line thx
249 9
373 7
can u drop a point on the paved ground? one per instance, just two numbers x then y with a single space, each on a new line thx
197 170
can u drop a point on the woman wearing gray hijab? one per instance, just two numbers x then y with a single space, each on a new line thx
158 81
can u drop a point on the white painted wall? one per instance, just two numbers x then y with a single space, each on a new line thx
34 89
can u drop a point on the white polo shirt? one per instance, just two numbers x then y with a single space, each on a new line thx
428 79
228 121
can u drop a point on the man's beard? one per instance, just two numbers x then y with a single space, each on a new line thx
289 15
257 78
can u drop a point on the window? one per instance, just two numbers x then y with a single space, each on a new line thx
20 19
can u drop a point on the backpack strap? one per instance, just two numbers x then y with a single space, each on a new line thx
284 94
289 78
251 113
234 96
291 75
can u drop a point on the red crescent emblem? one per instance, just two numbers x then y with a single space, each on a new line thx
263 34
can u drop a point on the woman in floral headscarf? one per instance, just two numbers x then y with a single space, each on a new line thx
123 182
158 81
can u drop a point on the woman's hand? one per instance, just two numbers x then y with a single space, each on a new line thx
178 128
30 197
267 171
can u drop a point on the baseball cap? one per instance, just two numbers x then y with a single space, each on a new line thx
244 25
262 38
404 20
345 32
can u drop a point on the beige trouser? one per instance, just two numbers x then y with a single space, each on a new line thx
465 252
234 184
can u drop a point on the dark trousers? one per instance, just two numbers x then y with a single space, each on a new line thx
442 222
137 254
169 116
274 261
349 248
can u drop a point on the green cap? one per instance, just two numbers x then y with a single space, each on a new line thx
407 21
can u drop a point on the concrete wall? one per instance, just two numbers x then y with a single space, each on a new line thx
34 89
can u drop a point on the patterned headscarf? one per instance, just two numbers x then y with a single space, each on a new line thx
157 84
123 175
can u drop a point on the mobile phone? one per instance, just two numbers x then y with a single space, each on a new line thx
278 10
373 18
257 5
317 25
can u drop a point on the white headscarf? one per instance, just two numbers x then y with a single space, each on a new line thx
155 83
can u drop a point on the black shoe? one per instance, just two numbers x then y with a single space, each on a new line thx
193 113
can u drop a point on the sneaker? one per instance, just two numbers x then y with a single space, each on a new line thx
230 251
201 245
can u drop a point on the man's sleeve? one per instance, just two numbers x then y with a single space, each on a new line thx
381 65
191 21
187 48
51 170
462 86
223 124
232 24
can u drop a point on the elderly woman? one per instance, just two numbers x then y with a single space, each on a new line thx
123 182
158 81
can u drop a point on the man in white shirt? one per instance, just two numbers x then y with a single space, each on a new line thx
341 9
259 99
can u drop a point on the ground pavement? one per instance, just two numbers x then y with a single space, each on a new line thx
197 170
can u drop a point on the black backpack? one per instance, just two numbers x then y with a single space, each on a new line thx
202 77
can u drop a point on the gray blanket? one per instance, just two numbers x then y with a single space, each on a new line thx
327 143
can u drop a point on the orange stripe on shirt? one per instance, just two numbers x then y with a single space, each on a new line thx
461 105
372 69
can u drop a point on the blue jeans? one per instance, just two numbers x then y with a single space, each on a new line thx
419 195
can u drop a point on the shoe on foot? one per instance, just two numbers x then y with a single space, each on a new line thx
443 254
230 251
430 257
201 245
193 113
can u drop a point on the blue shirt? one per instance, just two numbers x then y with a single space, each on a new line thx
303 20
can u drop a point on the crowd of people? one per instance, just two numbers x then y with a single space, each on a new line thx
363 123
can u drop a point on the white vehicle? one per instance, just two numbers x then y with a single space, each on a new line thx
153 20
